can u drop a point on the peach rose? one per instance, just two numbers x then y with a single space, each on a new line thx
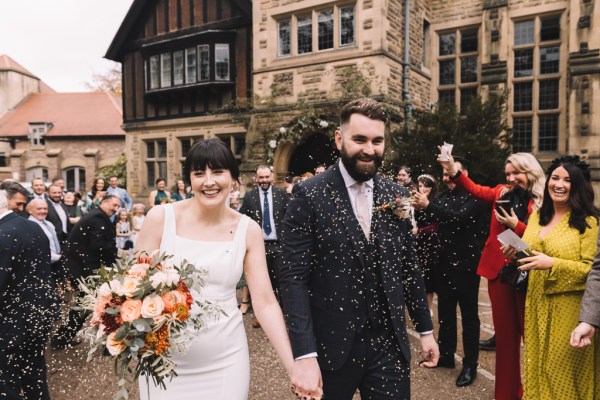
152 306
99 308
172 298
131 310
115 347
129 286
139 270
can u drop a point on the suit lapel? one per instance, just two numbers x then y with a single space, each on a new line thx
339 195
378 225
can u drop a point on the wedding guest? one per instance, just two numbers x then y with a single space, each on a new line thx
320 169
16 195
60 182
73 211
28 304
589 316
39 189
91 244
350 274
38 210
460 221
159 195
234 201
95 196
287 184
404 178
137 220
180 193
123 230
126 202
426 232
57 213
562 236
266 205
307 175
525 187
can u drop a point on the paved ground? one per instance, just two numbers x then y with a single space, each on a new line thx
71 378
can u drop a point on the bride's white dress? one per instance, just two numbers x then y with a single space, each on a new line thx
217 364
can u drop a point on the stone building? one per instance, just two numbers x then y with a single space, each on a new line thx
16 83
68 135
545 52
186 67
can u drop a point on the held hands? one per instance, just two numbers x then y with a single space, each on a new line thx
509 252
510 221
306 379
429 351
447 165
582 335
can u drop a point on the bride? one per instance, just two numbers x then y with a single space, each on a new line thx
204 231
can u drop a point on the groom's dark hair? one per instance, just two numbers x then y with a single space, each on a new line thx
368 107
211 153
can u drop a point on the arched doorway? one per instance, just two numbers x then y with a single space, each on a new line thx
316 149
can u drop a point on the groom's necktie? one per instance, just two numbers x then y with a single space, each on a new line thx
266 214
362 208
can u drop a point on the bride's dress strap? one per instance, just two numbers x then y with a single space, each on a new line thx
167 244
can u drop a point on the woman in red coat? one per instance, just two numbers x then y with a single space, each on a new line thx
508 306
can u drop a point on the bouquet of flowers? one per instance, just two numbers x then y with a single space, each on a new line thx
141 313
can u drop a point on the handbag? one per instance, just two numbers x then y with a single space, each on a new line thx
511 275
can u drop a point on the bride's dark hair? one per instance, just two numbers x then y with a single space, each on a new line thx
211 153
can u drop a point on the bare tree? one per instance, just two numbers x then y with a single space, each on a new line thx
109 81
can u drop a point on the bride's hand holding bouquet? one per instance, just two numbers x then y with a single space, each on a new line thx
141 314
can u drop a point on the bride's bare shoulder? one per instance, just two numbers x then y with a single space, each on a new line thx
156 215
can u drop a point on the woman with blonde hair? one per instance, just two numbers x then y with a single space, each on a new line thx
524 192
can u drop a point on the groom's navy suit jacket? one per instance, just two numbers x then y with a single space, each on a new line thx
325 256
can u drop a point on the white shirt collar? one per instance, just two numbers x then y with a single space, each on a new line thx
5 213
350 181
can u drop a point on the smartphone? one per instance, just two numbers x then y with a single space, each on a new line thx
504 204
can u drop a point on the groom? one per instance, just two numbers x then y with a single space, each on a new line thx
349 273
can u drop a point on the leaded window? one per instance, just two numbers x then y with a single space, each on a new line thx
325 28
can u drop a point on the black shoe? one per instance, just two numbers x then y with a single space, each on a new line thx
489 344
467 375
446 363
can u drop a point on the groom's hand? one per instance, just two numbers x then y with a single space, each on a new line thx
306 378
429 351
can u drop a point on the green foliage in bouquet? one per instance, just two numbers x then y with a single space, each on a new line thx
141 313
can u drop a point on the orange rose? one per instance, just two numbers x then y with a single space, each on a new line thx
131 310
172 298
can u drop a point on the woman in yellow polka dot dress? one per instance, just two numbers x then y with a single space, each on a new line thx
562 235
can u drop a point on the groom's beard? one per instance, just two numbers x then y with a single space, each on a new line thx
364 172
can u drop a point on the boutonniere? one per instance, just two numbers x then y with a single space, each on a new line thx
400 207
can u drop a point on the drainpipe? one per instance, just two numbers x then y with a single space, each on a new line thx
406 64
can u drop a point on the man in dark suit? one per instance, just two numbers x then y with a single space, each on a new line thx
28 303
16 196
58 214
92 243
266 204
462 235
350 273
589 316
